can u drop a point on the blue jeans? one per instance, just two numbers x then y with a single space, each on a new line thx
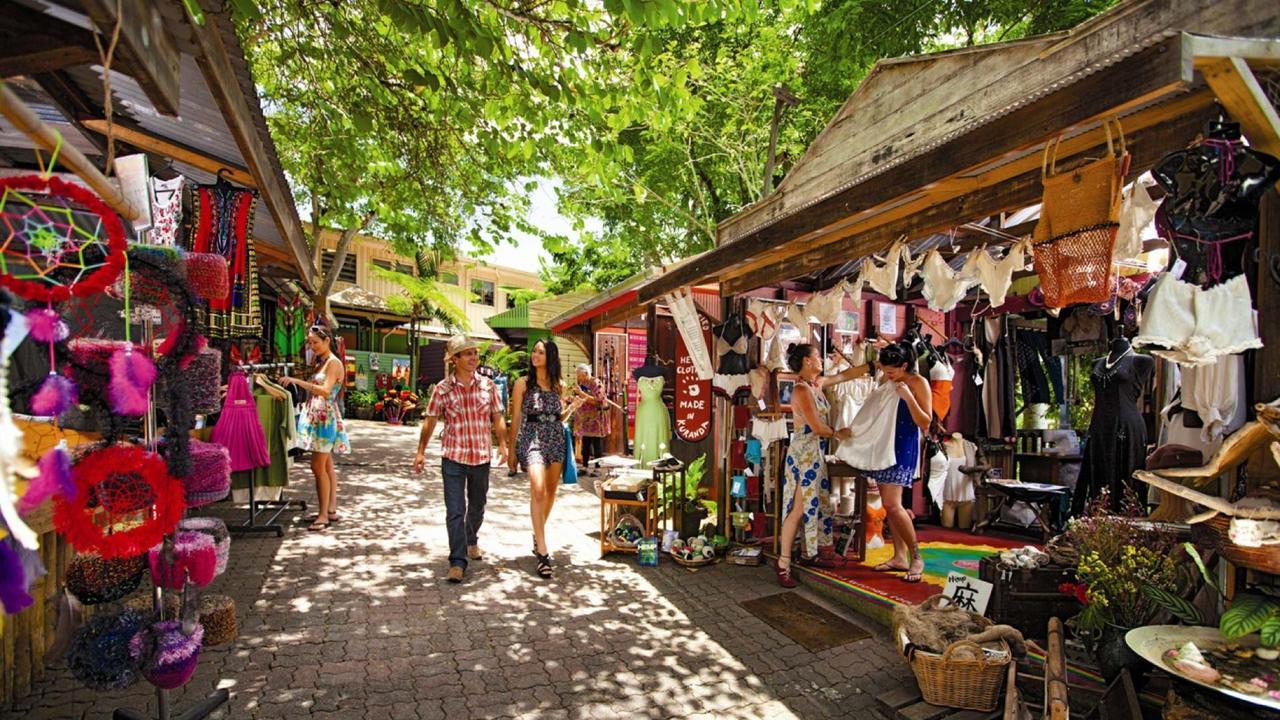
466 487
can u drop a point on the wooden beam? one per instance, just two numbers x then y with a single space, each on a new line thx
224 85
1131 83
153 57
1147 147
1238 90
41 54
617 315
73 102
144 140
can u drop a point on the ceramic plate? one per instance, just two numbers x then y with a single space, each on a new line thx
1153 641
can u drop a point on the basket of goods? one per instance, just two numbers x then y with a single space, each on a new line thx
94 579
626 532
694 552
959 658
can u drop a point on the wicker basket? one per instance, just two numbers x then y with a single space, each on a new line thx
692 563
961 683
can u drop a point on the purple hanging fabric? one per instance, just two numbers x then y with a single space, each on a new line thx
238 428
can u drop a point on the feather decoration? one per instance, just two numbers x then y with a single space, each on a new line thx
131 376
46 325
55 396
54 476
13 581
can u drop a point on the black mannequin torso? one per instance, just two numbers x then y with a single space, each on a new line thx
650 368
732 336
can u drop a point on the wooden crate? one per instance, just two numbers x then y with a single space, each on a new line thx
1026 599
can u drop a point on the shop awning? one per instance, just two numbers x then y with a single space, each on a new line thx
161 68
968 128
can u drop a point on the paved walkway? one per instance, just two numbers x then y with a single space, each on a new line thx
357 622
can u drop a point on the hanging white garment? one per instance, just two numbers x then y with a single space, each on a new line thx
1137 211
1214 392
944 288
996 277
774 360
685 314
937 477
12 463
825 306
799 319
755 315
768 430
883 277
853 288
871 447
959 488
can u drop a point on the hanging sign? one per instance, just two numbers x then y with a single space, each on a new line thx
693 396
968 593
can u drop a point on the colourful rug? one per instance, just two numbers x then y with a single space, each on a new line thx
944 551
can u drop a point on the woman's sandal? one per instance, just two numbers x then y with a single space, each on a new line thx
889 567
914 576
784 575
317 526
544 566
335 518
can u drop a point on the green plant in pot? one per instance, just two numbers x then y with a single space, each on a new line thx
361 403
689 503
1249 613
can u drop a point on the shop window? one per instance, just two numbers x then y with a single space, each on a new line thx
347 273
397 267
483 291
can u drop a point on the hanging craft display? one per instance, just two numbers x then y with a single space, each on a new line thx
57 239
126 502
218 618
54 476
14 594
173 654
103 655
94 579
216 529
12 464
56 394
192 557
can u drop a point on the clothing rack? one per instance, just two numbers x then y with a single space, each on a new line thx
256 506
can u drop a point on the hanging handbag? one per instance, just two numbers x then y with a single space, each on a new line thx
1074 241
569 473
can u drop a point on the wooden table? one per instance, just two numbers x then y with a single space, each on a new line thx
1043 467
1037 498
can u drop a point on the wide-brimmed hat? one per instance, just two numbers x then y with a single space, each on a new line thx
458 344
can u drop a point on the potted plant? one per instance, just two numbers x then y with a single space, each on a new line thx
689 503
1123 568
361 403
1249 613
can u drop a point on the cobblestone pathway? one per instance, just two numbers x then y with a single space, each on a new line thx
357 622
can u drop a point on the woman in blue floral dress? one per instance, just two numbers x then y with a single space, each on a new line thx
320 427
806 489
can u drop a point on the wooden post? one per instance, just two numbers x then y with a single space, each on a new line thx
782 98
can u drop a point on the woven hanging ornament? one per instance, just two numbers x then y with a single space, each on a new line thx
192 557
57 239
218 618
126 502
103 656
217 529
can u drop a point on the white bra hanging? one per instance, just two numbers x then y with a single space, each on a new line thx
799 319
883 278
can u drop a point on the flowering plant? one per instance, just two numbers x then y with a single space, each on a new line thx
1122 558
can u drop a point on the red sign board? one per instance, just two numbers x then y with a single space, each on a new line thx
637 344
693 396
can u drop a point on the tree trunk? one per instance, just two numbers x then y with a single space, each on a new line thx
321 297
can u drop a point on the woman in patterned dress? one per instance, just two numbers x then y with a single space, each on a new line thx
806 489
320 427
537 426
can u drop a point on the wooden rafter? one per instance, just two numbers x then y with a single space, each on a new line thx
154 58
148 142
32 43
1238 90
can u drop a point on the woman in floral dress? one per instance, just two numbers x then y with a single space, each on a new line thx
320 427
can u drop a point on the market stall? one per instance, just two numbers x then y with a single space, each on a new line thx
1074 233
131 297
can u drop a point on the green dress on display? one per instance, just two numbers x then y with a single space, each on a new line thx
653 424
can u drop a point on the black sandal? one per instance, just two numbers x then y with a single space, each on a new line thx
544 566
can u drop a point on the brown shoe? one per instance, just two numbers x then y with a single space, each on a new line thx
473 552
455 574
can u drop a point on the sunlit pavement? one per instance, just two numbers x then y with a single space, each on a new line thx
358 622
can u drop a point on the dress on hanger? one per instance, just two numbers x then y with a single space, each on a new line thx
653 424
166 211
883 278
276 417
941 383
944 288
996 277
1215 393
223 222
1117 444
807 481
238 429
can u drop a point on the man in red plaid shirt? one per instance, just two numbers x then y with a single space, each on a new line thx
471 409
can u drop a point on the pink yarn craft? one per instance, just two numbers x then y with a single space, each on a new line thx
207 275
194 559
55 396
173 655
209 479
216 529
131 376
45 325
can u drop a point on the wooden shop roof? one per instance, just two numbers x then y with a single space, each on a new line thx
180 91
927 143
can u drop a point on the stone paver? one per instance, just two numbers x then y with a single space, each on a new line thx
358 622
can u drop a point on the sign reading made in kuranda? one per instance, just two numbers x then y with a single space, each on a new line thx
693 396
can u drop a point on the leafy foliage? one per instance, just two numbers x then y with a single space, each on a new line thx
1250 613
1176 605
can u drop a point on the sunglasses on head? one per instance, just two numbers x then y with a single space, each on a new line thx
321 331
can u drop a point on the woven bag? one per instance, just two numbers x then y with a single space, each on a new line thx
1074 241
